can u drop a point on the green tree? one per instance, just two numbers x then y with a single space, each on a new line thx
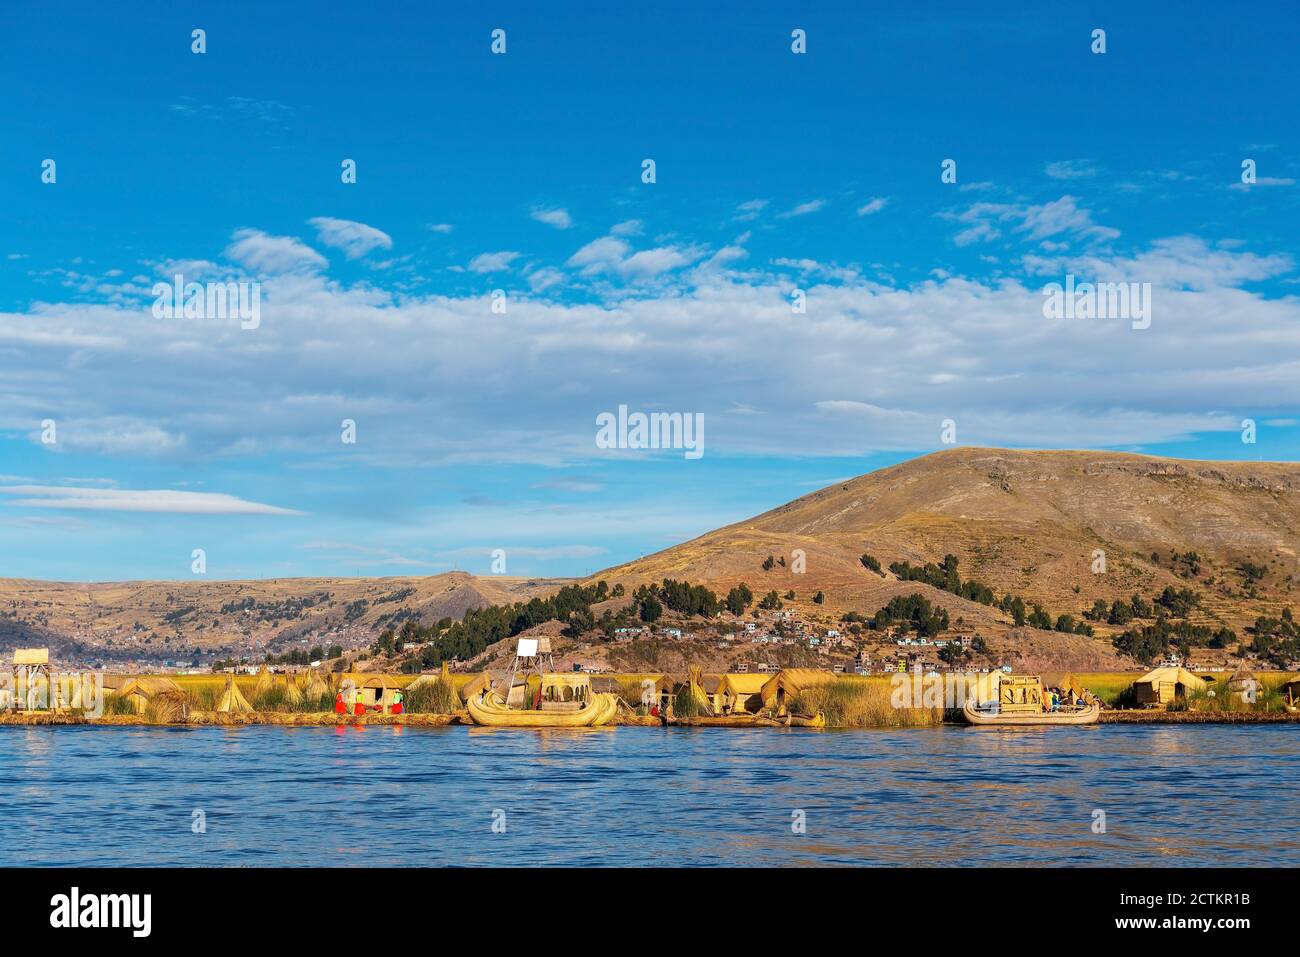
651 609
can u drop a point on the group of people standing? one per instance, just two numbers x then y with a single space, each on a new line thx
350 701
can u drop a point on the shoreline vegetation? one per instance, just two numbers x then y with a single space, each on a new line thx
846 701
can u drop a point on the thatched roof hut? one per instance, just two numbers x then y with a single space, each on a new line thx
741 693
1166 685
1245 684
380 689
786 684
606 684
1291 690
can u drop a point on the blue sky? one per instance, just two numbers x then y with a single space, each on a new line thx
522 173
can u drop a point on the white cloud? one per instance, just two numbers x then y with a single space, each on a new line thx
355 239
652 262
1264 181
125 500
492 262
803 209
599 254
559 218
750 210
267 254
874 206
629 227
1070 169
432 381
542 279
441 227
613 255
570 484
1039 222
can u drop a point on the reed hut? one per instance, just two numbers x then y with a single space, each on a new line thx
232 699
163 693
1245 685
740 693
782 687
1291 691
1164 686
606 684
666 687
379 690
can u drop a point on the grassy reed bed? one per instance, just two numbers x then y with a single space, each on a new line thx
858 703
1112 688
432 697
1267 701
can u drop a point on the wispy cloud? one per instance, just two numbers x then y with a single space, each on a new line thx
355 239
264 253
492 262
1060 217
1070 169
1264 181
559 218
365 555
570 483
803 209
874 206
127 500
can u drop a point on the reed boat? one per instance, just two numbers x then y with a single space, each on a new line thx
817 720
563 701
721 721
1022 702
1088 714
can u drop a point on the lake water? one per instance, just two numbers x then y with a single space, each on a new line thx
1172 795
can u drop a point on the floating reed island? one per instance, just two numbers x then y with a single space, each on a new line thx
792 698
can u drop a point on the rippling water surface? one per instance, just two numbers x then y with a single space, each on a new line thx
1215 795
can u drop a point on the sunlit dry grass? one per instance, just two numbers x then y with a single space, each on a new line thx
862 703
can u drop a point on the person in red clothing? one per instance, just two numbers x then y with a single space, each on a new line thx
339 706
360 706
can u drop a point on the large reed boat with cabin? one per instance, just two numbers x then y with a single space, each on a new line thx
1023 701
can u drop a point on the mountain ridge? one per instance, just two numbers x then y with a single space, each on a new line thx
1023 522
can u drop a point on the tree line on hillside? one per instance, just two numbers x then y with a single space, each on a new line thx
945 577
459 640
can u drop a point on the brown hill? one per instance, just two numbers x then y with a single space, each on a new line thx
1024 522
153 621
